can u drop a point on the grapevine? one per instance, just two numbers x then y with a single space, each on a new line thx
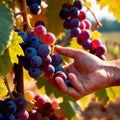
40 60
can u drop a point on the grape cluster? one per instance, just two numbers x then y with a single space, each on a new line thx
38 58
40 107
34 6
13 109
75 20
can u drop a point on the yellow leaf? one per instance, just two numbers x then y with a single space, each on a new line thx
96 34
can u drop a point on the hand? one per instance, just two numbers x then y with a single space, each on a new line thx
87 73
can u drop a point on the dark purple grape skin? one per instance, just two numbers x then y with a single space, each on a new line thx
74 23
87 44
60 74
74 12
78 4
66 24
75 32
34 72
35 9
64 13
56 59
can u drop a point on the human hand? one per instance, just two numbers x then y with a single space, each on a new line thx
87 73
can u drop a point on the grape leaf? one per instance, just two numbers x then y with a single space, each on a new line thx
113 7
113 93
14 48
102 95
6 22
3 89
5 63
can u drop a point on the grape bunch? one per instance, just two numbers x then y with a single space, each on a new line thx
75 20
13 108
34 6
40 107
38 57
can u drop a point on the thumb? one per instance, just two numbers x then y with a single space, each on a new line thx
65 51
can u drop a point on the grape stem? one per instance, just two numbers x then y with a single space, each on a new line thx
66 41
8 88
98 23
24 13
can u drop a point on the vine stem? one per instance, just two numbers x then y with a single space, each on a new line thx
66 41
24 14
8 88
98 23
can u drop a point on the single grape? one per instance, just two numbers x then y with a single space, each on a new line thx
74 12
29 95
59 68
82 25
64 13
56 59
78 4
39 23
44 50
87 44
21 103
87 24
35 42
96 43
74 23
101 50
33 115
36 61
75 32
30 33
82 15
84 35
49 70
66 5
49 38
9 106
35 9
46 60
60 74
34 72
30 52
66 24
40 31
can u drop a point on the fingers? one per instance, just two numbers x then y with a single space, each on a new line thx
65 51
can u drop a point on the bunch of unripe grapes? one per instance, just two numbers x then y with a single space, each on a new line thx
38 57
75 20
35 6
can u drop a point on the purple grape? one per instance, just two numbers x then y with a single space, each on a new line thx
34 72
30 52
74 12
60 74
87 44
49 70
9 106
44 50
78 4
33 115
101 50
35 42
21 103
75 32
56 59
30 33
66 24
46 60
23 115
36 61
35 9
66 5
64 13
74 23
39 23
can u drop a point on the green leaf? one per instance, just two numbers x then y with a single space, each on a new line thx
5 63
102 95
3 89
54 23
6 22
113 93
14 48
